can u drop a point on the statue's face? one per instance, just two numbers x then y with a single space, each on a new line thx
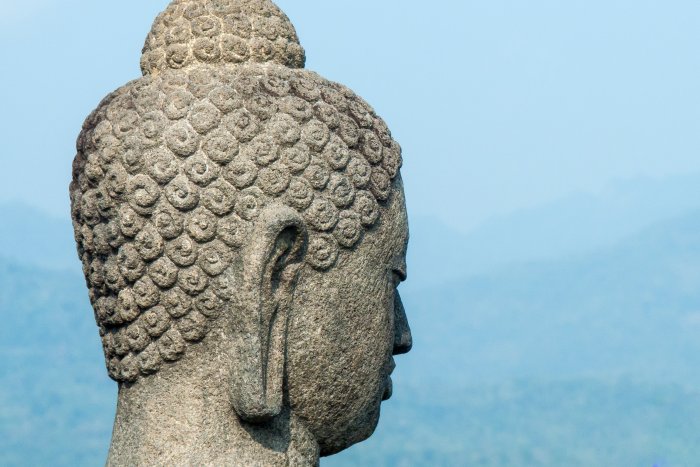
342 332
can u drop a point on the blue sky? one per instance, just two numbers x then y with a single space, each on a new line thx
499 105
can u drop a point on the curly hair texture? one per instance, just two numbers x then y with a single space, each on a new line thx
173 168
221 31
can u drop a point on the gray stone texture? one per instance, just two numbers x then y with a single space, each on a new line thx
242 228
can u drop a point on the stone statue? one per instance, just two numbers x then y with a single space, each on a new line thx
242 226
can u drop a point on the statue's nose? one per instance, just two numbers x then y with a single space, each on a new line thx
403 340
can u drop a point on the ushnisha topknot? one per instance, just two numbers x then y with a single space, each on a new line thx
189 32
173 169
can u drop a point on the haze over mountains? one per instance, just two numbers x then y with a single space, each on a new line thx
577 224
562 336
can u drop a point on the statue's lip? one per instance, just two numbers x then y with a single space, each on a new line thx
388 388
392 366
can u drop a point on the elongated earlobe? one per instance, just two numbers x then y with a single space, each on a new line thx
271 264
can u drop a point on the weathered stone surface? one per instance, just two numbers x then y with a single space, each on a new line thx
242 227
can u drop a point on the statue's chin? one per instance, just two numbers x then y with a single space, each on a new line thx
360 431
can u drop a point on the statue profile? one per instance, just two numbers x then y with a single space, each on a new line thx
242 227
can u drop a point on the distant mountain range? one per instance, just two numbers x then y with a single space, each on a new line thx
578 224
631 309
533 423
511 367
56 403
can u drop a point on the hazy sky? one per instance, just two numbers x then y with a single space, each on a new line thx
499 105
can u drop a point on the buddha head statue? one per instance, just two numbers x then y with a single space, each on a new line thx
242 227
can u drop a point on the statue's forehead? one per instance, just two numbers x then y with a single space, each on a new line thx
384 246
394 228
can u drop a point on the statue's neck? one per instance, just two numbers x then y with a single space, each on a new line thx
179 417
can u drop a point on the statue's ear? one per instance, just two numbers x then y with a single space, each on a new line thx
270 265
